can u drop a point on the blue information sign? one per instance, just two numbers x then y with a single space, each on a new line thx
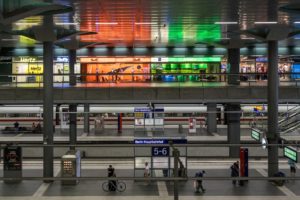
159 141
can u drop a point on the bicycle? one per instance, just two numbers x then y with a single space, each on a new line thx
119 186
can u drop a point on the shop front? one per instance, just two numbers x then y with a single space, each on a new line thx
30 69
115 69
179 69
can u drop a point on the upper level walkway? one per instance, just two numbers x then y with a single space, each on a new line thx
251 90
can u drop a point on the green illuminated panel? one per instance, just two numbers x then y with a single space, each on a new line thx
176 32
255 135
208 33
290 153
195 59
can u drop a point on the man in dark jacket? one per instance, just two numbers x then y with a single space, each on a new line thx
235 171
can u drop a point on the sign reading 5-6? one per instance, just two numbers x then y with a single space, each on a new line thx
160 151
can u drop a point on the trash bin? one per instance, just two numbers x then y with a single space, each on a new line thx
279 182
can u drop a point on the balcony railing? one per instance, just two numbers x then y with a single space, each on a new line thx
147 80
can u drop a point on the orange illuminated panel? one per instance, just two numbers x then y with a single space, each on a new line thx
115 60
116 27
113 72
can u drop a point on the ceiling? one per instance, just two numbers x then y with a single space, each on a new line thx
163 22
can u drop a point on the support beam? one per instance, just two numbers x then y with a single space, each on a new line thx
211 118
234 66
48 109
73 125
273 83
233 128
86 125
72 62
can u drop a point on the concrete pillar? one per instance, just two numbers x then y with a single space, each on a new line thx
211 117
57 119
48 107
273 83
72 62
234 66
73 125
233 128
86 126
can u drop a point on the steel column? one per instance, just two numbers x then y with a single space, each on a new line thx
273 83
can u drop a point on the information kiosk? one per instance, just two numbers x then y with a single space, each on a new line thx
159 156
71 167
12 159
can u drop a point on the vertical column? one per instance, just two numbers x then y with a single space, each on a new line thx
73 125
233 128
57 119
48 104
211 117
86 125
234 66
72 61
273 82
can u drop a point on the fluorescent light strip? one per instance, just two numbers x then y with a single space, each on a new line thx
106 23
250 38
26 23
66 23
145 23
226 22
296 22
265 22
8 39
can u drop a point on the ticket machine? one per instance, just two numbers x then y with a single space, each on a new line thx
12 163
71 167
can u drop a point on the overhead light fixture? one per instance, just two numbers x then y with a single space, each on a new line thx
106 23
26 23
226 23
248 38
9 39
66 23
297 22
265 22
145 23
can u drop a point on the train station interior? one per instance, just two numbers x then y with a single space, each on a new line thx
149 99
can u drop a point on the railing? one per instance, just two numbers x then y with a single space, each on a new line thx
145 80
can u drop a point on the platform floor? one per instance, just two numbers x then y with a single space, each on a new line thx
111 133
91 189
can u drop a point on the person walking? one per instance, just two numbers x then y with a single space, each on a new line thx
147 171
235 169
292 167
198 183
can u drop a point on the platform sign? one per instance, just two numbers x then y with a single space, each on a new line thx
290 153
256 134
160 151
160 141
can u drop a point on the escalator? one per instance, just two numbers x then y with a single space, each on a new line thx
288 123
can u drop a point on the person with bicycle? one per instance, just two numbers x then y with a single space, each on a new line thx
112 184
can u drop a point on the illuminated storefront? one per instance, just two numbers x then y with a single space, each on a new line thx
115 69
29 69
177 69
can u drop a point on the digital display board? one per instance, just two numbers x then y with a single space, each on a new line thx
290 153
255 134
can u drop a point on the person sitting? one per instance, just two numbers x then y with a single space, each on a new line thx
16 125
38 128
